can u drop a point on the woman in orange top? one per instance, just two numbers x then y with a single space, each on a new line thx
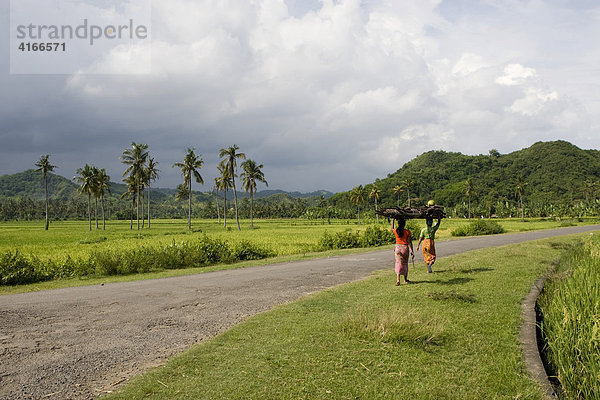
403 243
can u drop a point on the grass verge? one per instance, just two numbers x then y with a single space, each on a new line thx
449 335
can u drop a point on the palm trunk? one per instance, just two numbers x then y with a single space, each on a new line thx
137 209
143 215
190 205
408 192
217 201
235 199
251 210
376 215
46 189
131 213
521 201
96 211
148 205
359 215
469 208
103 219
90 210
225 209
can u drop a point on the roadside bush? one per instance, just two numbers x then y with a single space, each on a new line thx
377 236
478 228
16 268
340 240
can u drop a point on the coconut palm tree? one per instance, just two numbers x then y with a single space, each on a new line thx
135 157
408 184
358 196
375 194
85 178
215 189
189 167
151 175
224 182
398 191
44 167
252 174
102 186
131 191
469 192
519 189
230 156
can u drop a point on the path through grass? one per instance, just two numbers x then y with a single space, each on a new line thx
450 335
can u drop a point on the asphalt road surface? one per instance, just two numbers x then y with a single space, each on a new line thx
78 343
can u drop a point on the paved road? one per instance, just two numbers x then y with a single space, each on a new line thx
77 343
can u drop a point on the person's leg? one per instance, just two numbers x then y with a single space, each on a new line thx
397 266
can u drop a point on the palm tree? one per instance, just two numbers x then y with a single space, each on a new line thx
252 173
519 189
398 191
408 183
224 182
216 190
230 156
375 194
132 189
189 167
469 192
102 186
358 196
151 175
136 157
85 179
44 167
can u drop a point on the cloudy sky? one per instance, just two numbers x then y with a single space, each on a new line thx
327 94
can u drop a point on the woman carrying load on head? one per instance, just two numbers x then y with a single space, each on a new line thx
403 246
427 236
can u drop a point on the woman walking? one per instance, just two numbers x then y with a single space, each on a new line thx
403 244
428 237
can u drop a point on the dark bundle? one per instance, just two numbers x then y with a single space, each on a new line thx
434 212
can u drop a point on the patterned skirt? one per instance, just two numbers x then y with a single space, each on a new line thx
429 251
401 252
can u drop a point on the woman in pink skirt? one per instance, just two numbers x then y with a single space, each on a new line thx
403 245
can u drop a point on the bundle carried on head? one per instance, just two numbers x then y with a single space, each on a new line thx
434 212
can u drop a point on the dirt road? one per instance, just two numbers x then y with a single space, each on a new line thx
78 343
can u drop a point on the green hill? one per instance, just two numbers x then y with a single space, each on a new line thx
30 184
555 173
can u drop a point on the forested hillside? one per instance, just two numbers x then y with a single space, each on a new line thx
553 174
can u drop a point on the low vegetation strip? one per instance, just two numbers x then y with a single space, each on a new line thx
17 268
570 304
451 334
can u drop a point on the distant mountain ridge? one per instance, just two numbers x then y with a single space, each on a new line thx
30 184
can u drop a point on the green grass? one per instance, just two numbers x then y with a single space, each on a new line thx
450 335
570 304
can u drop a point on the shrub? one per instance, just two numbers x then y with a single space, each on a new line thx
478 228
246 250
16 269
340 240
376 236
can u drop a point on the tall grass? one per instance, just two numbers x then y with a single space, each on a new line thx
570 304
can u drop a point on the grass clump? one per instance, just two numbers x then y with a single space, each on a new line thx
372 236
478 228
570 304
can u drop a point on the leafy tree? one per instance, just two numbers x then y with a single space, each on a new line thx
375 194
44 167
230 156
135 157
189 167
494 153
358 196
408 184
252 174
86 180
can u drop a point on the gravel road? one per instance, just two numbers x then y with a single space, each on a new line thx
78 343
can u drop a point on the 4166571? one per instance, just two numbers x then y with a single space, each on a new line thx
28 46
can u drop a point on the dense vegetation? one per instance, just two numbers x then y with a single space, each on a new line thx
570 304
548 179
